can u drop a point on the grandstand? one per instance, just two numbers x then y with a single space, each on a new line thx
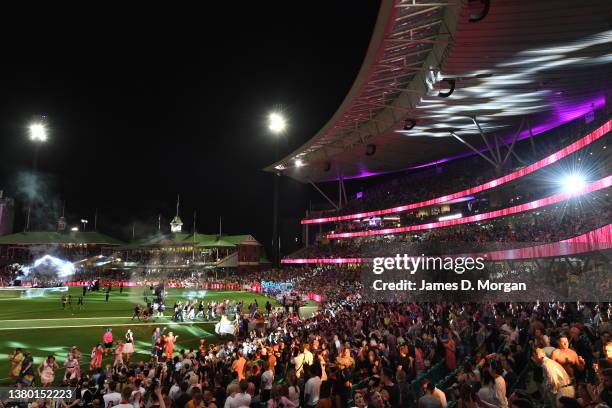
482 130
99 256
453 165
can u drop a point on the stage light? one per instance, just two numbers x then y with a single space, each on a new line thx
38 132
74 229
298 163
450 217
573 183
276 122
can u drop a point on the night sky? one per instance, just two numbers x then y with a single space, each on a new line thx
142 108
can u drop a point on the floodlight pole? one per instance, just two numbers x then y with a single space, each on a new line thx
34 168
275 237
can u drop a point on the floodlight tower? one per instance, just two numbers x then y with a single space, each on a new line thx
277 124
38 135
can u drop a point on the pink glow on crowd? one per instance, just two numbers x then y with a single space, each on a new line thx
543 202
596 240
322 261
553 158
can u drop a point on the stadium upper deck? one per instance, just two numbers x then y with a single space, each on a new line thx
442 78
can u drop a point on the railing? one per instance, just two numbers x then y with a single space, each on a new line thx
538 165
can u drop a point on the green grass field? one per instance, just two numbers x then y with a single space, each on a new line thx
40 326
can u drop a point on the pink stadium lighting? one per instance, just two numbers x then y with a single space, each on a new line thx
596 240
543 202
547 161
322 261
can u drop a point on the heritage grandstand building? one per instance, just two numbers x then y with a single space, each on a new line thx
97 253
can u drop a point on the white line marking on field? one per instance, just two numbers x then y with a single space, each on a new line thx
67 318
104 325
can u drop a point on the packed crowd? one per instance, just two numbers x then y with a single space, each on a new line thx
528 229
356 353
353 353
178 256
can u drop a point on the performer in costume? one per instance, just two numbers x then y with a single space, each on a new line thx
107 339
46 371
128 347
96 357
16 359
26 375
157 334
118 355
72 368
170 339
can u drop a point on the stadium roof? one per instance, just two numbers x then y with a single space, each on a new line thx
56 238
432 66
201 240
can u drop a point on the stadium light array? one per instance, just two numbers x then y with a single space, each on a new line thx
276 123
573 183
38 132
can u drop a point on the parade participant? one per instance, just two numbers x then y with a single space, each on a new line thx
157 333
169 341
268 307
96 357
136 312
191 314
26 375
155 306
71 366
161 309
128 347
16 360
118 363
46 371
202 347
158 349
200 310
107 339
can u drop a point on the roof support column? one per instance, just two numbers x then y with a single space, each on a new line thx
341 192
494 153
516 136
478 152
324 195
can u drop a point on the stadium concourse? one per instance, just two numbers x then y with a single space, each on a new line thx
474 129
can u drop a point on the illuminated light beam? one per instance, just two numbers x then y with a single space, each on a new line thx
543 202
540 164
64 268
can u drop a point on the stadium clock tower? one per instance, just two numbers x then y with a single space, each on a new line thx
176 225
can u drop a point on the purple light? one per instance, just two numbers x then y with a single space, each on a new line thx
561 115
461 200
